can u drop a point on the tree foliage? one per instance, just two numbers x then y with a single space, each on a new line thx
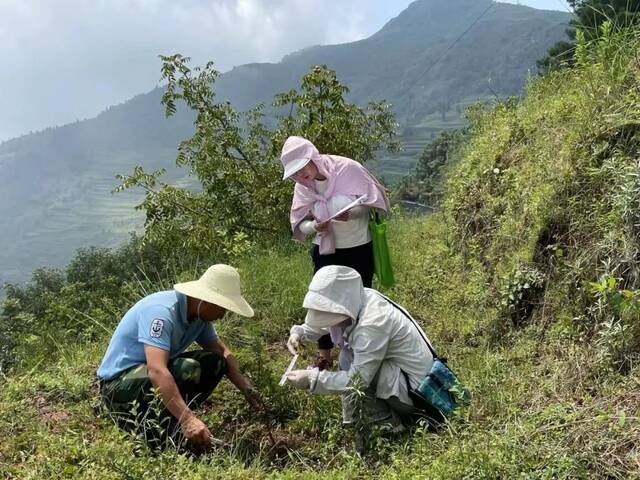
84 300
589 15
236 193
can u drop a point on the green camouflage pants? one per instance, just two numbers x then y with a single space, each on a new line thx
131 401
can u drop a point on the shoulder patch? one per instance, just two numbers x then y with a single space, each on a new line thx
156 328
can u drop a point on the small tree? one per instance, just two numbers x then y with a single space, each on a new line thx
238 194
321 113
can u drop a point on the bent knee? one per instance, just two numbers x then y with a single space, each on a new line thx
213 363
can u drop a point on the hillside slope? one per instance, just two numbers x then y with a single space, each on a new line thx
54 185
527 282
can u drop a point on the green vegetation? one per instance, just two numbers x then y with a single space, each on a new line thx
547 193
425 184
527 280
588 16
240 197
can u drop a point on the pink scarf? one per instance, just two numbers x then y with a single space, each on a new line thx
337 332
344 177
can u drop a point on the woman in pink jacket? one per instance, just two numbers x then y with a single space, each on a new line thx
325 184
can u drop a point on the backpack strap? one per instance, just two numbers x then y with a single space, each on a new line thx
415 324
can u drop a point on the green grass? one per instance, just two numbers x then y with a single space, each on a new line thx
542 407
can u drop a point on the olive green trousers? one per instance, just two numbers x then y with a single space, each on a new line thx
130 400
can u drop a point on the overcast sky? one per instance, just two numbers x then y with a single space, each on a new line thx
65 60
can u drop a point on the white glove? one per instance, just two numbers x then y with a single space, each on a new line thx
294 344
299 378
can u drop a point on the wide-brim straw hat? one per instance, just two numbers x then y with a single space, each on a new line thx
219 285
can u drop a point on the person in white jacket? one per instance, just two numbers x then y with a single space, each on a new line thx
378 342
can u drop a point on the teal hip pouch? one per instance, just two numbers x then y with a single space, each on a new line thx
442 389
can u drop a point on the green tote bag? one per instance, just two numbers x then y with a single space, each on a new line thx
381 256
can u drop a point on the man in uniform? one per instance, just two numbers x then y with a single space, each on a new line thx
147 352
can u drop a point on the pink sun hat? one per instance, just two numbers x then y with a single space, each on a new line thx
296 153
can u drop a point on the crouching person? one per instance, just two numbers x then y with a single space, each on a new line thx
147 354
379 344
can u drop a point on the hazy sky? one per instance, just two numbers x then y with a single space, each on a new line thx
65 60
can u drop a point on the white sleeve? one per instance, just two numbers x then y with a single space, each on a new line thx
369 349
307 227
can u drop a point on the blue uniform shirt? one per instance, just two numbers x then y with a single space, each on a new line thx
159 320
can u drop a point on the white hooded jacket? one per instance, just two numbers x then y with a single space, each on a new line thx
380 344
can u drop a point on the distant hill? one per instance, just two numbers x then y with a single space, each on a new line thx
55 185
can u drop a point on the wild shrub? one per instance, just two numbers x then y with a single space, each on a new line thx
84 302
425 183
588 17
615 312
520 293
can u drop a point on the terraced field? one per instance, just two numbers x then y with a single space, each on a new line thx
391 168
79 212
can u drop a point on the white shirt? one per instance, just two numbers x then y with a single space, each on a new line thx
352 233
